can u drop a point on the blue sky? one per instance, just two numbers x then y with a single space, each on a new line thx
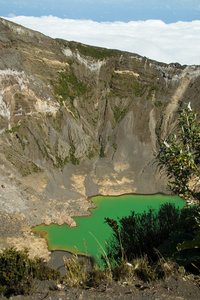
168 11
163 30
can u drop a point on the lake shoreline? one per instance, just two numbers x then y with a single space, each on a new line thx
71 224
91 232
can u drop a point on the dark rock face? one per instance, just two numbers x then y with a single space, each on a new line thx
77 121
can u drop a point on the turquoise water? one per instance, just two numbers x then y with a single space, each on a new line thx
91 233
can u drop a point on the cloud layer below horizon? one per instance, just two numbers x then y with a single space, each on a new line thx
175 42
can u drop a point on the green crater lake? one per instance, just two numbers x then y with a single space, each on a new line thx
91 232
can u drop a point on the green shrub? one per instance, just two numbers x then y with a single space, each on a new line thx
180 155
15 272
18 272
139 234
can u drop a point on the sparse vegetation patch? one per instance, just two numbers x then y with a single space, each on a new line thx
98 53
68 87
119 113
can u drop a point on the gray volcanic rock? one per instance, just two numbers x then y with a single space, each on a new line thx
77 121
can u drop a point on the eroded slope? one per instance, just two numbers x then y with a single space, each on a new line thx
78 121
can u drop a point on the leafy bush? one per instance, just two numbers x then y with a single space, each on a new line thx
18 272
139 234
180 154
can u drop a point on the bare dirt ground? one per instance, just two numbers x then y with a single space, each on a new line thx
174 287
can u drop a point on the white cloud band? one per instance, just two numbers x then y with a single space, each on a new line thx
175 42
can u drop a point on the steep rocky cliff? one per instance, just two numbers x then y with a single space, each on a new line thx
77 121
